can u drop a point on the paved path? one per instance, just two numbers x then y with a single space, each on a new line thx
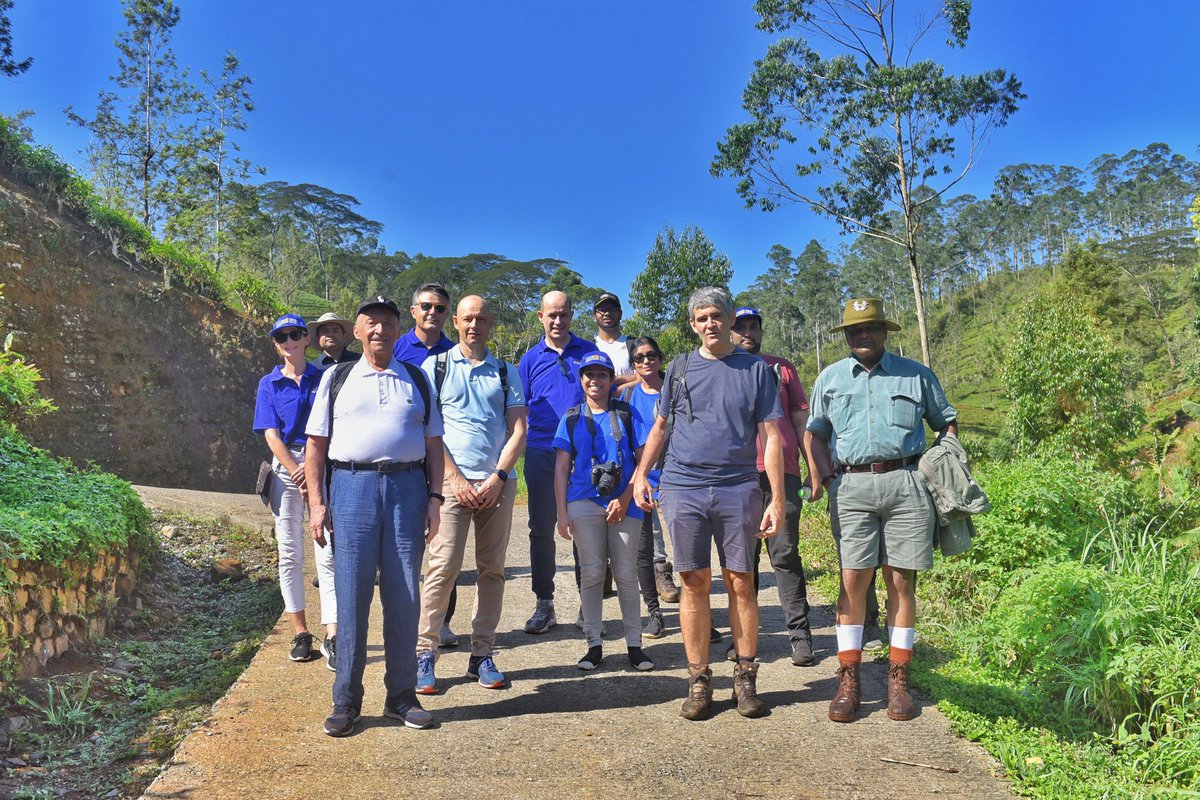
560 733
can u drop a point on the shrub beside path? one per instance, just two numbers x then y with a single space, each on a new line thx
558 732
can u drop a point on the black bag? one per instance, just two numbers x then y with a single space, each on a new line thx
262 486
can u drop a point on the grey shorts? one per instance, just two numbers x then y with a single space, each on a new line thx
883 519
729 515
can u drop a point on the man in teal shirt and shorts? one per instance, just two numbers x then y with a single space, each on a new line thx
866 432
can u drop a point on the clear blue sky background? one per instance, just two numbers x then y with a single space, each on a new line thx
578 130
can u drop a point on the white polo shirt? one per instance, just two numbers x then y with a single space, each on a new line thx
377 417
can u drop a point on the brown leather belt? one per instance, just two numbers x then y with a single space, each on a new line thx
880 467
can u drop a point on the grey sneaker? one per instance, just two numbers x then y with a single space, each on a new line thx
543 618
448 638
802 652
655 627
341 722
409 712
579 624
329 650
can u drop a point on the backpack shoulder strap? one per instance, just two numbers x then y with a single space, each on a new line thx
340 373
439 373
572 422
622 415
418 377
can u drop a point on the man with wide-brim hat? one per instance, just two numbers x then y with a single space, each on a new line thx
331 333
866 431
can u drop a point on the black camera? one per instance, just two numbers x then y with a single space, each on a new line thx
605 477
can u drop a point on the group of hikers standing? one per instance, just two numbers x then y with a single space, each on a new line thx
397 452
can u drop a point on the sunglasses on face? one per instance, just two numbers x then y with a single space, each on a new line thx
438 307
642 357
282 336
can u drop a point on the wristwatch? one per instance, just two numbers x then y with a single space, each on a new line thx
501 474
439 497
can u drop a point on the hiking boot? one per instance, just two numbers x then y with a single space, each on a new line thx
849 693
900 703
802 652
302 647
409 712
329 650
731 654
655 626
341 722
543 617
699 699
664 584
745 691
484 669
426 680
447 637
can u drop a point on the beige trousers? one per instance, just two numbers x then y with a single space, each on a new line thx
445 553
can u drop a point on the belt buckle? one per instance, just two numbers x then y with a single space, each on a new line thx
879 467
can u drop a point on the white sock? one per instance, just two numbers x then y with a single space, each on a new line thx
891 632
901 637
849 637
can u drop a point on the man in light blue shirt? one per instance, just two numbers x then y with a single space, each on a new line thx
483 414
866 431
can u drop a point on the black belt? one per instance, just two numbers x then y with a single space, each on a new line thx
879 467
378 466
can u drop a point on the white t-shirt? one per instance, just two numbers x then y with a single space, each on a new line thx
618 351
377 416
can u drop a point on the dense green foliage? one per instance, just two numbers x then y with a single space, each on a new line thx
50 511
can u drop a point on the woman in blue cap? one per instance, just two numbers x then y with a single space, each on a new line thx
285 396
598 443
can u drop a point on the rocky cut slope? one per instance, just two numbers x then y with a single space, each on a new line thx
156 386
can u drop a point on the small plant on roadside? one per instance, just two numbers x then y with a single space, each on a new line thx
69 714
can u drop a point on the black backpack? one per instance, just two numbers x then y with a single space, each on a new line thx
620 415
439 376
342 371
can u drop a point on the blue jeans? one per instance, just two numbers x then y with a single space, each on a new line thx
378 523
543 517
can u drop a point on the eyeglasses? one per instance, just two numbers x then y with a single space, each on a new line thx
641 357
282 336
438 307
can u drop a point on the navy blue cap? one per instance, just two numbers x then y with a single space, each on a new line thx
747 311
289 321
597 359
378 301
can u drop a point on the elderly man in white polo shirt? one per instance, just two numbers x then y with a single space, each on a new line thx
375 426
483 409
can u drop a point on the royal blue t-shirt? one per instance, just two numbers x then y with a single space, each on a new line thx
284 405
604 449
644 403
412 350
551 386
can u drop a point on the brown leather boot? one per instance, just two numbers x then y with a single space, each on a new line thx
849 694
900 702
699 698
745 690
664 584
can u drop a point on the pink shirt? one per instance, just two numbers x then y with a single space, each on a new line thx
791 398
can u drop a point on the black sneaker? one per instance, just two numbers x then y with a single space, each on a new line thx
329 650
302 647
802 652
341 722
714 635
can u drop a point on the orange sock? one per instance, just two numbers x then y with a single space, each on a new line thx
898 655
850 656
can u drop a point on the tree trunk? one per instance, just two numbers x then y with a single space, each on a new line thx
919 299
817 337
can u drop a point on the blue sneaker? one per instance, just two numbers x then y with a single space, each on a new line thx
485 670
426 680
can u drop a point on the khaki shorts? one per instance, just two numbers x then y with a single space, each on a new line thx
885 519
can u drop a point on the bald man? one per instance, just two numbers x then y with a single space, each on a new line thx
549 373
483 411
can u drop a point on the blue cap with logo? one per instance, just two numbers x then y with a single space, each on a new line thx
747 311
289 321
597 359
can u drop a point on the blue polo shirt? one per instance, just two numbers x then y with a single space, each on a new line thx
880 414
599 449
644 404
411 349
551 382
284 405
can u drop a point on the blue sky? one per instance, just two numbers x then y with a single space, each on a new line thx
578 130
